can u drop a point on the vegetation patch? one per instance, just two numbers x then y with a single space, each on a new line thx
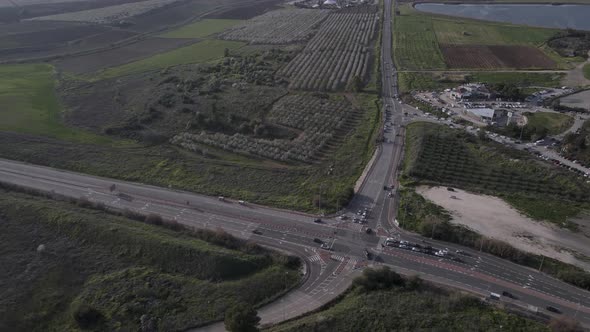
442 156
200 52
554 123
381 300
586 70
338 55
69 268
200 29
576 146
29 104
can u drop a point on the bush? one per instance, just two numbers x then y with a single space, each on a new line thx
383 278
87 316
154 219
241 318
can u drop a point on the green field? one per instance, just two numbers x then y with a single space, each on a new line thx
109 271
409 81
201 28
586 70
29 104
412 305
200 52
555 123
417 36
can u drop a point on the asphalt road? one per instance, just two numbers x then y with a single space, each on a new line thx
327 272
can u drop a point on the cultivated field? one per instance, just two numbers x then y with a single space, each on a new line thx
448 157
196 53
111 14
200 29
29 104
116 57
494 218
340 51
495 56
317 120
554 123
418 38
278 27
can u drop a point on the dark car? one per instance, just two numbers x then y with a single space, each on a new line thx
369 231
317 221
553 309
450 189
508 294
368 254
257 232
316 240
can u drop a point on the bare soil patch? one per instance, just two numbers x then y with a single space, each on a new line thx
118 56
495 56
247 12
493 217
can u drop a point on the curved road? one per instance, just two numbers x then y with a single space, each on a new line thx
328 272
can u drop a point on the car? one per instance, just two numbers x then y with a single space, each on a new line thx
356 220
257 232
369 231
241 202
316 240
450 189
317 221
368 254
508 294
325 246
553 309
457 259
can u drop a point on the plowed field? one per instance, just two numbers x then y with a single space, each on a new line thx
495 56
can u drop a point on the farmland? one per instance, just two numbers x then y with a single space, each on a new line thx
110 14
339 52
278 27
170 276
199 52
442 156
495 56
200 29
418 36
317 119
29 104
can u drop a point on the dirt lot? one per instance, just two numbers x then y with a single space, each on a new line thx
580 99
495 56
118 56
492 217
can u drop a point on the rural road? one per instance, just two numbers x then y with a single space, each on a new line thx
328 272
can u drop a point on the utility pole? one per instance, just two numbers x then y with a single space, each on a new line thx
542 260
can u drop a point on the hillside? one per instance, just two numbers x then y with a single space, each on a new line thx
68 268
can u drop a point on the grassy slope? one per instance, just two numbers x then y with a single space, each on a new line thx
29 104
201 28
196 53
555 123
537 190
120 267
426 309
586 70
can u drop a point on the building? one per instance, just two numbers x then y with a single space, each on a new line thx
486 114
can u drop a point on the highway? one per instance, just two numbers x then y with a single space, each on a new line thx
327 272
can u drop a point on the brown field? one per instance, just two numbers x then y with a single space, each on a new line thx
247 12
119 56
495 56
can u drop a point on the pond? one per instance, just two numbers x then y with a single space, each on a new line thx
541 15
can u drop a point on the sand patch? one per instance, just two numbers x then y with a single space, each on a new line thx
493 217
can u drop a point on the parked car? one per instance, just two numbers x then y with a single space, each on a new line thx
508 294
553 309
317 221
